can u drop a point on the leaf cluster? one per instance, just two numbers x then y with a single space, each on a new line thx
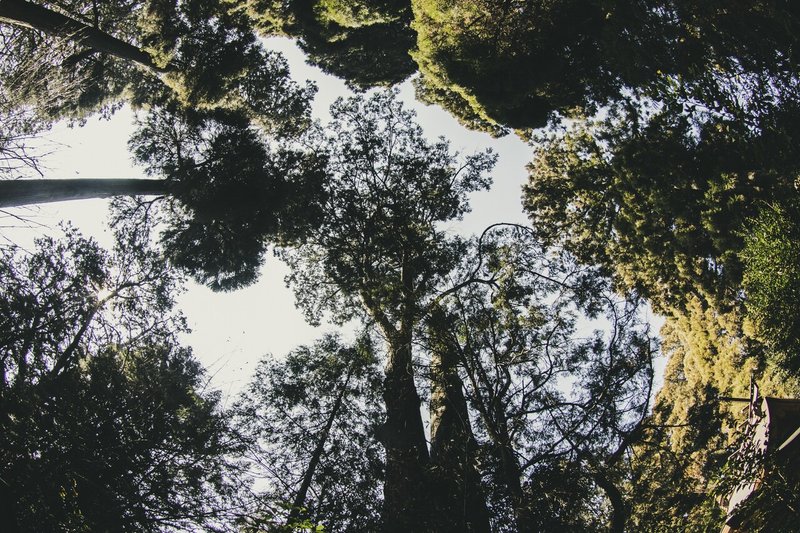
104 421
284 412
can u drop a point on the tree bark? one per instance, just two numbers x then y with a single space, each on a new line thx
406 499
619 509
459 497
512 478
22 13
15 193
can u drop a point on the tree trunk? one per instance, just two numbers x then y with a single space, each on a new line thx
316 456
619 510
512 476
15 193
406 498
22 13
459 497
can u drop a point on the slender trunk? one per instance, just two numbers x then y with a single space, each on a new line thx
406 502
316 456
8 506
460 500
27 14
495 419
619 510
15 193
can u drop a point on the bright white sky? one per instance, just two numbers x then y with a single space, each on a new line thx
231 332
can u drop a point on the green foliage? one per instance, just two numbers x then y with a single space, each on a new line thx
658 198
232 190
528 59
364 42
772 257
553 404
379 244
283 413
88 450
63 78
104 424
690 433
231 193
203 54
773 504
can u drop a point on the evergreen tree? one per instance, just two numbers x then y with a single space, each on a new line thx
365 43
105 425
659 198
556 408
311 419
381 255
770 257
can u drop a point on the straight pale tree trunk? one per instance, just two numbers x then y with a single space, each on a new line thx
15 193
29 15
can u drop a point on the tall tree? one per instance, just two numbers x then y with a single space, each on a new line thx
512 68
199 49
509 65
555 406
105 424
311 420
97 80
227 190
380 253
461 500
231 192
48 21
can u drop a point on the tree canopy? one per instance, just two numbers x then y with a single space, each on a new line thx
105 424
365 43
231 193
659 198
379 254
664 171
311 419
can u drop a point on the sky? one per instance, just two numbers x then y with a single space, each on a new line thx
232 331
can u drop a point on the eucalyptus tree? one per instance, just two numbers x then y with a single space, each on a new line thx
555 407
231 191
187 57
122 50
214 102
105 421
86 32
380 253
46 62
461 499
310 420
228 187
